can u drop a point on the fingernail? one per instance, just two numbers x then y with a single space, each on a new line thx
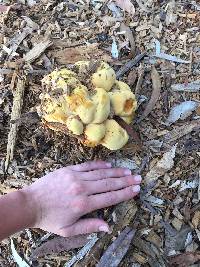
108 164
138 178
136 188
104 228
127 172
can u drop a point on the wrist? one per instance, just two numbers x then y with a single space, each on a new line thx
31 207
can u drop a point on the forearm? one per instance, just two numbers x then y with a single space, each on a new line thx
15 213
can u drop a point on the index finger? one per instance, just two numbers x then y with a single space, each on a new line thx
90 166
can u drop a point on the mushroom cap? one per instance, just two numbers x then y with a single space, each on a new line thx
86 112
81 105
122 86
53 110
94 133
123 102
102 102
116 137
104 77
74 125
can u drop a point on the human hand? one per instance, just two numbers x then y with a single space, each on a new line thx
59 199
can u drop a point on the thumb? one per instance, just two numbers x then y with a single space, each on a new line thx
84 226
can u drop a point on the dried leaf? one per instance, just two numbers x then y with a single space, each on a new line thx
59 244
129 35
162 166
176 241
20 262
181 111
156 84
180 131
132 76
126 5
162 55
185 260
129 129
187 87
117 250
139 83
172 58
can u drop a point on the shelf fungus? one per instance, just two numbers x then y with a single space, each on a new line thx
82 102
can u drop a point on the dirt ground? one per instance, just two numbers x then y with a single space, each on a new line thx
38 36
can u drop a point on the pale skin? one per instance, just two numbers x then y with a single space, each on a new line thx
57 201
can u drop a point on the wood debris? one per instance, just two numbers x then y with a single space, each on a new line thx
162 166
15 115
37 50
128 66
117 250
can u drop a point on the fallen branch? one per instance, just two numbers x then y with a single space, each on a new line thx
15 115
129 65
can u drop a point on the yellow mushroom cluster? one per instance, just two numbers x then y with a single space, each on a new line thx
85 98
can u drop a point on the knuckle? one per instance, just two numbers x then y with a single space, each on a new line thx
76 188
80 205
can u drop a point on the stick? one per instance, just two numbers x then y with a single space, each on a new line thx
37 50
15 115
129 65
